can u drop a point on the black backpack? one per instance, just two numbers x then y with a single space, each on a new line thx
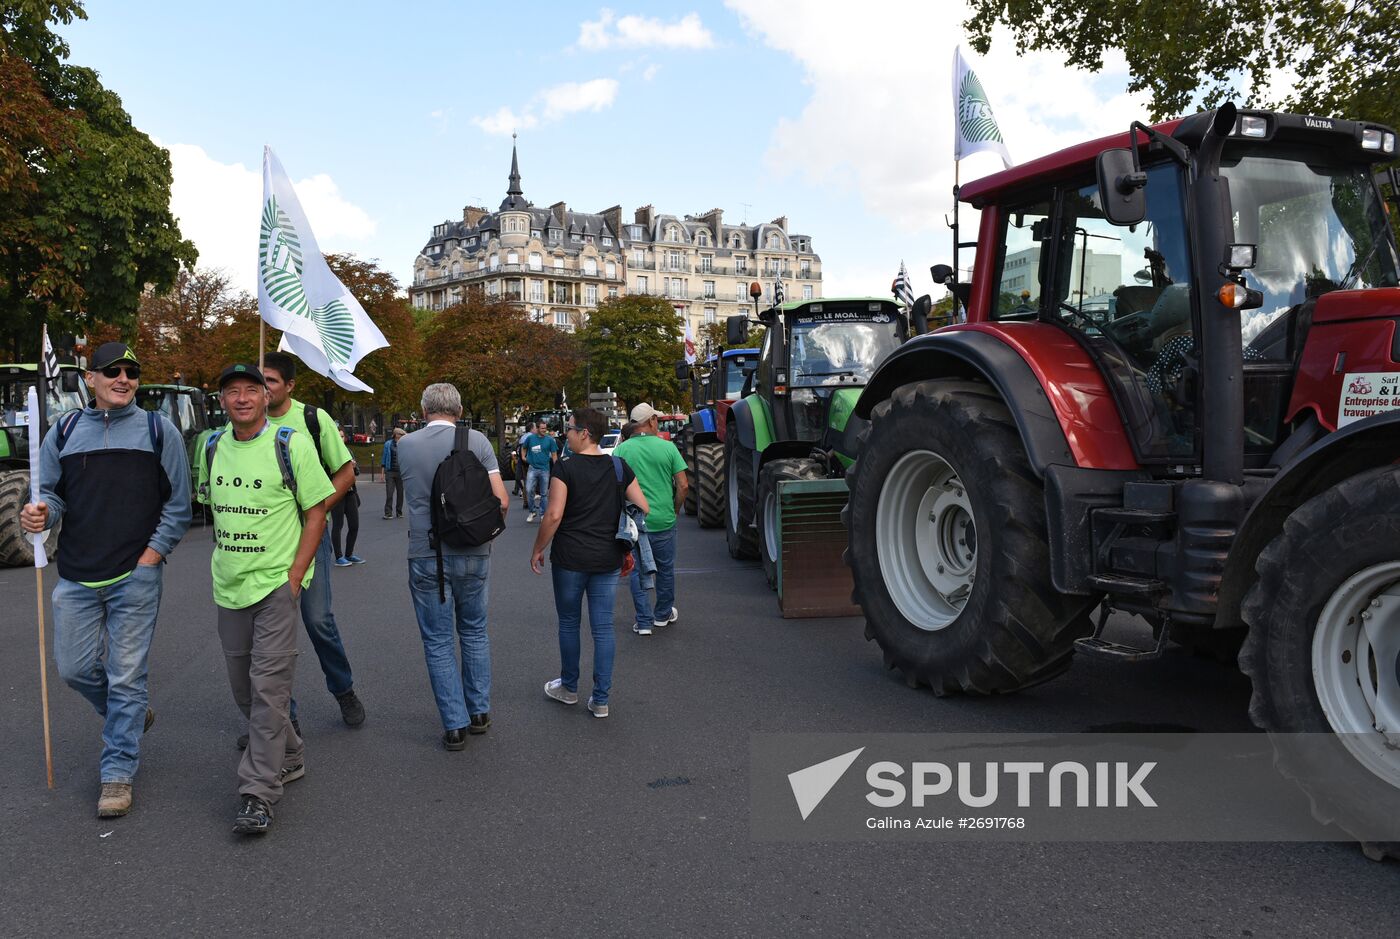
463 510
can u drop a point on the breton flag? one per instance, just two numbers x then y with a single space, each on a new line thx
778 293
41 558
50 365
321 322
689 345
975 126
902 291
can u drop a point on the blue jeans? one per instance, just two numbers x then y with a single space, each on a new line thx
537 480
464 690
569 589
110 674
663 552
319 620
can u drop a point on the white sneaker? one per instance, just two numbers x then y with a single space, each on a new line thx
530 517
675 615
597 710
555 689
641 630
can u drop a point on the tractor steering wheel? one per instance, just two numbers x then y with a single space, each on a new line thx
1079 314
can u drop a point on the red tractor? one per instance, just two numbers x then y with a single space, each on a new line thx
1176 394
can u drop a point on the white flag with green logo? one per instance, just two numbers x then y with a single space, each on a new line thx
975 126
322 323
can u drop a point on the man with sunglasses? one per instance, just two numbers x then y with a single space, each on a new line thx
118 479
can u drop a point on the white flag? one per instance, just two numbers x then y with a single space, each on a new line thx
50 366
689 345
322 323
41 558
974 125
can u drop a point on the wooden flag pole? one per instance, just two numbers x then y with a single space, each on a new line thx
44 672
262 339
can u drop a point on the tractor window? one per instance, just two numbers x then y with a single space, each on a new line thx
735 371
1127 291
1023 254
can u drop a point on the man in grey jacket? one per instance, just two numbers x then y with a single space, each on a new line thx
119 480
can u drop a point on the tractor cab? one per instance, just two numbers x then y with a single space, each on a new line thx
188 409
15 382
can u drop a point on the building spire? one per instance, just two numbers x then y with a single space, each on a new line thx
515 197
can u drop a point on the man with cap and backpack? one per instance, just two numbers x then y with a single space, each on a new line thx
118 479
269 496
456 505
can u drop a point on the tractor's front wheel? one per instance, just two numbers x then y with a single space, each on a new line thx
16 549
948 544
709 484
769 535
739 485
1323 653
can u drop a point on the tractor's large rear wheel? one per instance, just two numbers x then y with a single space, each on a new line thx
709 484
16 550
769 536
739 489
1323 652
689 457
948 544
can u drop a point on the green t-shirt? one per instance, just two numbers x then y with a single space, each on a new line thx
334 452
656 462
256 523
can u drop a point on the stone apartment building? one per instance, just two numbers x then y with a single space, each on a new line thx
561 262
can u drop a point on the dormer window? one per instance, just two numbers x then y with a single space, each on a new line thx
703 239
607 242
534 233
775 241
576 238
673 233
735 241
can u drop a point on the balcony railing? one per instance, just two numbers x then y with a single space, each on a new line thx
518 269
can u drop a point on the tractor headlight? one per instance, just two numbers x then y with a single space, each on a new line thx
1253 125
1371 138
1388 143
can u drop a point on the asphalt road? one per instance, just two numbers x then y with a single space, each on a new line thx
558 824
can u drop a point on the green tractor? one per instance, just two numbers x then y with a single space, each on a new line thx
16 550
794 420
189 409
714 386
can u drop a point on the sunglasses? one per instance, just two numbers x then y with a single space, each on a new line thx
133 372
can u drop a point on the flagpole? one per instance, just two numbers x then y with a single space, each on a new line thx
262 340
44 672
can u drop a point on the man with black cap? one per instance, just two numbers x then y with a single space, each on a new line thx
268 493
118 479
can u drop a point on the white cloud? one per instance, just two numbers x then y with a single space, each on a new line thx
609 31
551 104
650 72
217 207
878 118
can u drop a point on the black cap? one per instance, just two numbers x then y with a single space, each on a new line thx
110 353
241 370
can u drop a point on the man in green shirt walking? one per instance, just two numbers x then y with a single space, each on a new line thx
661 472
280 372
268 494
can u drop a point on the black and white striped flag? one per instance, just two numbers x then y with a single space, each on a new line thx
902 291
778 293
50 361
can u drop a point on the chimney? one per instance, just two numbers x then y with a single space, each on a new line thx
560 211
471 214
646 217
613 217
781 222
715 219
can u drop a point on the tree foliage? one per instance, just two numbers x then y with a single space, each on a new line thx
633 344
85 223
1344 53
496 356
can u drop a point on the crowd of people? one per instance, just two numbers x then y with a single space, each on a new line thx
119 480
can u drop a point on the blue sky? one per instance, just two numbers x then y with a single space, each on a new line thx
389 120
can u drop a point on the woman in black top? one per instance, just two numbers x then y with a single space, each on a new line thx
585 500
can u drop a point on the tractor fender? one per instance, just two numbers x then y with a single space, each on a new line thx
1363 445
752 424
1053 433
703 422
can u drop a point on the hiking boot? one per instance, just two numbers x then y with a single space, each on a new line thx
455 739
675 615
596 709
480 724
115 800
555 689
350 708
150 719
243 738
292 773
253 818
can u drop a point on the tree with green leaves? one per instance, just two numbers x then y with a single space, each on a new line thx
633 344
1345 54
85 222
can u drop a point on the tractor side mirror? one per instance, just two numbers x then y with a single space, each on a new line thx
942 273
70 380
682 371
736 330
1122 187
918 316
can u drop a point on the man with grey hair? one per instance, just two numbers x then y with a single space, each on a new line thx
456 615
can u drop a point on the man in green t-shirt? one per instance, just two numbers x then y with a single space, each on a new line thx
661 471
268 494
280 372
